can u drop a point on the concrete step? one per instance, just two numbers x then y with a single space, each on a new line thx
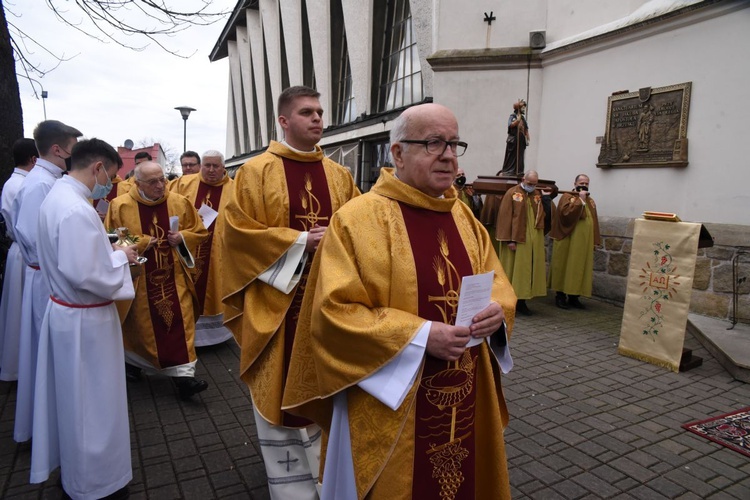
730 347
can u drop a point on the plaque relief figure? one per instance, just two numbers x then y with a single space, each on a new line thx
645 119
518 139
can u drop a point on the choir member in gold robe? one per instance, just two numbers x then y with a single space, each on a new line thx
159 326
410 402
284 199
575 231
209 191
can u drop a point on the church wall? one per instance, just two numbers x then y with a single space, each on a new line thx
712 55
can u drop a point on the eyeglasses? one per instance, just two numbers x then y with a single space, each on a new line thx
190 165
153 182
438 146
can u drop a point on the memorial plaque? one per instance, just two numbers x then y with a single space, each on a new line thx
647 128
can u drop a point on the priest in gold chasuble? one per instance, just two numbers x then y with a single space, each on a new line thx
284 200
209 192
159 326
411 404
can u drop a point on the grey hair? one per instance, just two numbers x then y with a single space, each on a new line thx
138 170
400 127
212 153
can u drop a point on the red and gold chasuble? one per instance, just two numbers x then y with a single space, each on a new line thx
161 288
444 453
309 205
210 196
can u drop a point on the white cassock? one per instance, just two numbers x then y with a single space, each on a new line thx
80 403
10 304
25 213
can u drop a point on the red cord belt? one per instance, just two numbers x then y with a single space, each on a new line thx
79 306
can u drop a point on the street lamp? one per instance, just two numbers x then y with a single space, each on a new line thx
44 100
44 94
185 112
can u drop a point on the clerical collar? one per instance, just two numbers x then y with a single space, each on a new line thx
295 149
143 195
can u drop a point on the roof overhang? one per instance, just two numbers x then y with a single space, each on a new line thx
229 33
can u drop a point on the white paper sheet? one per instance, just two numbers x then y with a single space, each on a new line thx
208 215
102 206
174 223
476 295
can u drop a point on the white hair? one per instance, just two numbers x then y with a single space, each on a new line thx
212 153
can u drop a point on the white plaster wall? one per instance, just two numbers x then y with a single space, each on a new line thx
482 102
566 18
715 186
461 24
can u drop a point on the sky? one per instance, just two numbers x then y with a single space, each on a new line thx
115 93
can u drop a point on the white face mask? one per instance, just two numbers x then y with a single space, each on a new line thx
527 188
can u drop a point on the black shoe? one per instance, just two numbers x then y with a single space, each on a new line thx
132 373
522 308
574 302
187 386
561 302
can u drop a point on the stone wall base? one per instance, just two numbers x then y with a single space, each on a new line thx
712 287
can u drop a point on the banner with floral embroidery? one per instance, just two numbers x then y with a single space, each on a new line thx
660 282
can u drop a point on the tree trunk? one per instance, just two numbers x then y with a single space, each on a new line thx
11 115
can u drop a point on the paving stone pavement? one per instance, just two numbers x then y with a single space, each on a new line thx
585 423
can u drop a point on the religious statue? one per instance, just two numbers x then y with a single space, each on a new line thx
518 139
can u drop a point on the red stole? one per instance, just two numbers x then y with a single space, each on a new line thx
444 453
309 204
211 196
161 288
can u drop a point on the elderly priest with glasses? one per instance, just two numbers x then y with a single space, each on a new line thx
410 401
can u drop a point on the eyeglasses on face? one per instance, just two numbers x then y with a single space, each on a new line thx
190 165
153 182
438 146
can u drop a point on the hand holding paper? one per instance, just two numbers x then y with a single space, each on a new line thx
476 295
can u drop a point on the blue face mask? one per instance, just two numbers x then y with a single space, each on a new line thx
528 189
101 191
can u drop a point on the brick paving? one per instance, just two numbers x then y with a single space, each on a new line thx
585 423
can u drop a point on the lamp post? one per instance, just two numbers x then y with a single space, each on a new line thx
185 112
44 105
44 94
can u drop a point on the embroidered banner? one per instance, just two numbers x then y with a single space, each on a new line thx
660 282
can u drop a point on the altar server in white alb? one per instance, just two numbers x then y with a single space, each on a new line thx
24 156
55 141
80 402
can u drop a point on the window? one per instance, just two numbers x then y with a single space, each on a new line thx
400 73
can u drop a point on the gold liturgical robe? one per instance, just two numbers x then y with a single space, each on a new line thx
159 326
521 220
575 231
208 256
364 312
257 234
